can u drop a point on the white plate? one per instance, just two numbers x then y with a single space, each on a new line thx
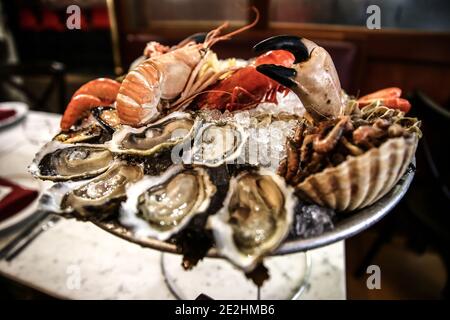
20 108
26 181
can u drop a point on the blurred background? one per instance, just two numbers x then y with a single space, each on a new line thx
42 63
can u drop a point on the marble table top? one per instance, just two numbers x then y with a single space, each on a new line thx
77 260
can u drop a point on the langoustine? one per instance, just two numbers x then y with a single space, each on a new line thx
164 82
154 48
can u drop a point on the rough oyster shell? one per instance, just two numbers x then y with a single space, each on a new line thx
150 139
97 197
216 143
102 193
58 161
81 135
244 235
152 210
362 180
95 129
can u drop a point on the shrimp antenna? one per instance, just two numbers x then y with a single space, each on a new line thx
213 36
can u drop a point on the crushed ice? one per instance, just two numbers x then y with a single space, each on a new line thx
311 220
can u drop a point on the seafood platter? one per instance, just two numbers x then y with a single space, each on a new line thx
233 158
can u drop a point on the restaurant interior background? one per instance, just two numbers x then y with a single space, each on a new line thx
43 63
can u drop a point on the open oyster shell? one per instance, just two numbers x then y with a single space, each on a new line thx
58 161
97 197
360 181
160 206
82 135
255 217
102 193
150 139
216 143
95 129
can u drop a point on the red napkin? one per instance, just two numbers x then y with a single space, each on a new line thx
17 199
6 113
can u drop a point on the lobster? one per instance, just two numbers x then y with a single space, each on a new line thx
246 87
103 91
163 83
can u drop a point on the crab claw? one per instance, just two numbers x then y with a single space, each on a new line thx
279 73
293 44
313 77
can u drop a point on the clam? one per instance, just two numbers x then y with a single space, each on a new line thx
160 206
58 161
255 217
153 138
216 143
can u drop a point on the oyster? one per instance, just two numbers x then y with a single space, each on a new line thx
95 129
255 217
84 134
103 192
58 161
148 140
160 206
216 143
107 118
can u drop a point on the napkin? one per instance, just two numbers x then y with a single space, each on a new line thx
14 198
6 113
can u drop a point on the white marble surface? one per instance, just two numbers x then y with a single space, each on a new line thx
76 260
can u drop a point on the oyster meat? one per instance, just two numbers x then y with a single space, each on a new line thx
101 195
84 134
160 206
255 217
95 129
216 143
153 138
58 161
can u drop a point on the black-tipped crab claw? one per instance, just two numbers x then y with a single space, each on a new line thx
292 44
313 77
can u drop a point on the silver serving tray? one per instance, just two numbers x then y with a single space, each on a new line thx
352 224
